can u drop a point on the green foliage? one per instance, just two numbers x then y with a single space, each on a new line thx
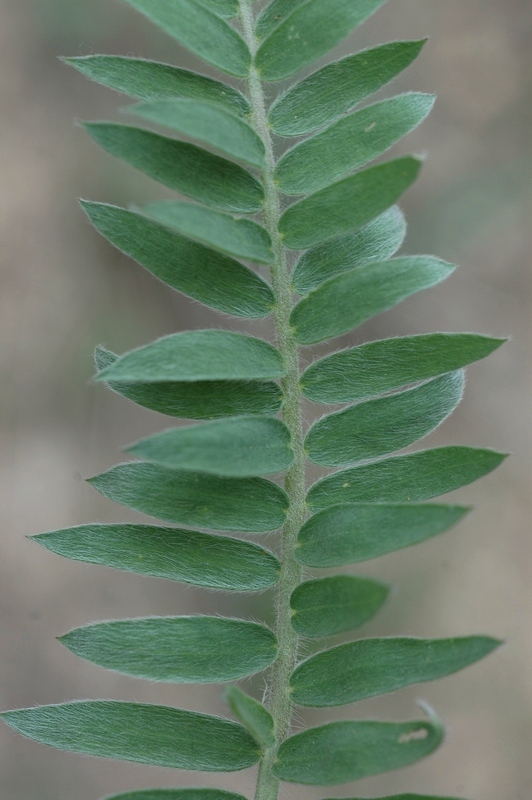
346 231
176 649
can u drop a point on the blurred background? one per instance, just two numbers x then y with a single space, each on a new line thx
65 290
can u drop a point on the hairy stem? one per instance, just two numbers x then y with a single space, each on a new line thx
279 703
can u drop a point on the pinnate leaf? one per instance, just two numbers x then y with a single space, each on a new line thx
335 604
187 266
355 532
151 80
253 716
348 204
207 122
210 355
376 241
147 734
217 562
239 447
194 498
349 750
351 298
176 649
181 166
350 143
378 367
370 667
237 237
377 427
334 89
200 30
309 32
412 477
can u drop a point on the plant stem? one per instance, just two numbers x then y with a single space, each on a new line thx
279 703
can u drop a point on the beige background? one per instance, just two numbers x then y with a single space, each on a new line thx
64 290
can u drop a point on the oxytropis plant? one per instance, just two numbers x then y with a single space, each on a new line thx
325 226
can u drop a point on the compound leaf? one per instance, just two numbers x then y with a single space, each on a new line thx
377 427
346 751
239 447
181 166
350 143
202 559
253 716
214 355
176 649
194 498
335 604
151 80
369 667
355 532
378 367
307 33
207 122
237 237
200 30
147 734
376 241
345 206
349 299
337 87
187 266
412 477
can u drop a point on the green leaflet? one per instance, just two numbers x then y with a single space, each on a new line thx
216 562
348 204
176 649
308 33
376 241
182 794
224 8
237 237
378 367
378 427
395 797
181 166
240 447
193 498
413 477
253 716
346 751
273 14
199 400
147 734
350 143
151 80
207 122
209 355
355 532
349 299
331 91
371 667
332 605
187 266
205 34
